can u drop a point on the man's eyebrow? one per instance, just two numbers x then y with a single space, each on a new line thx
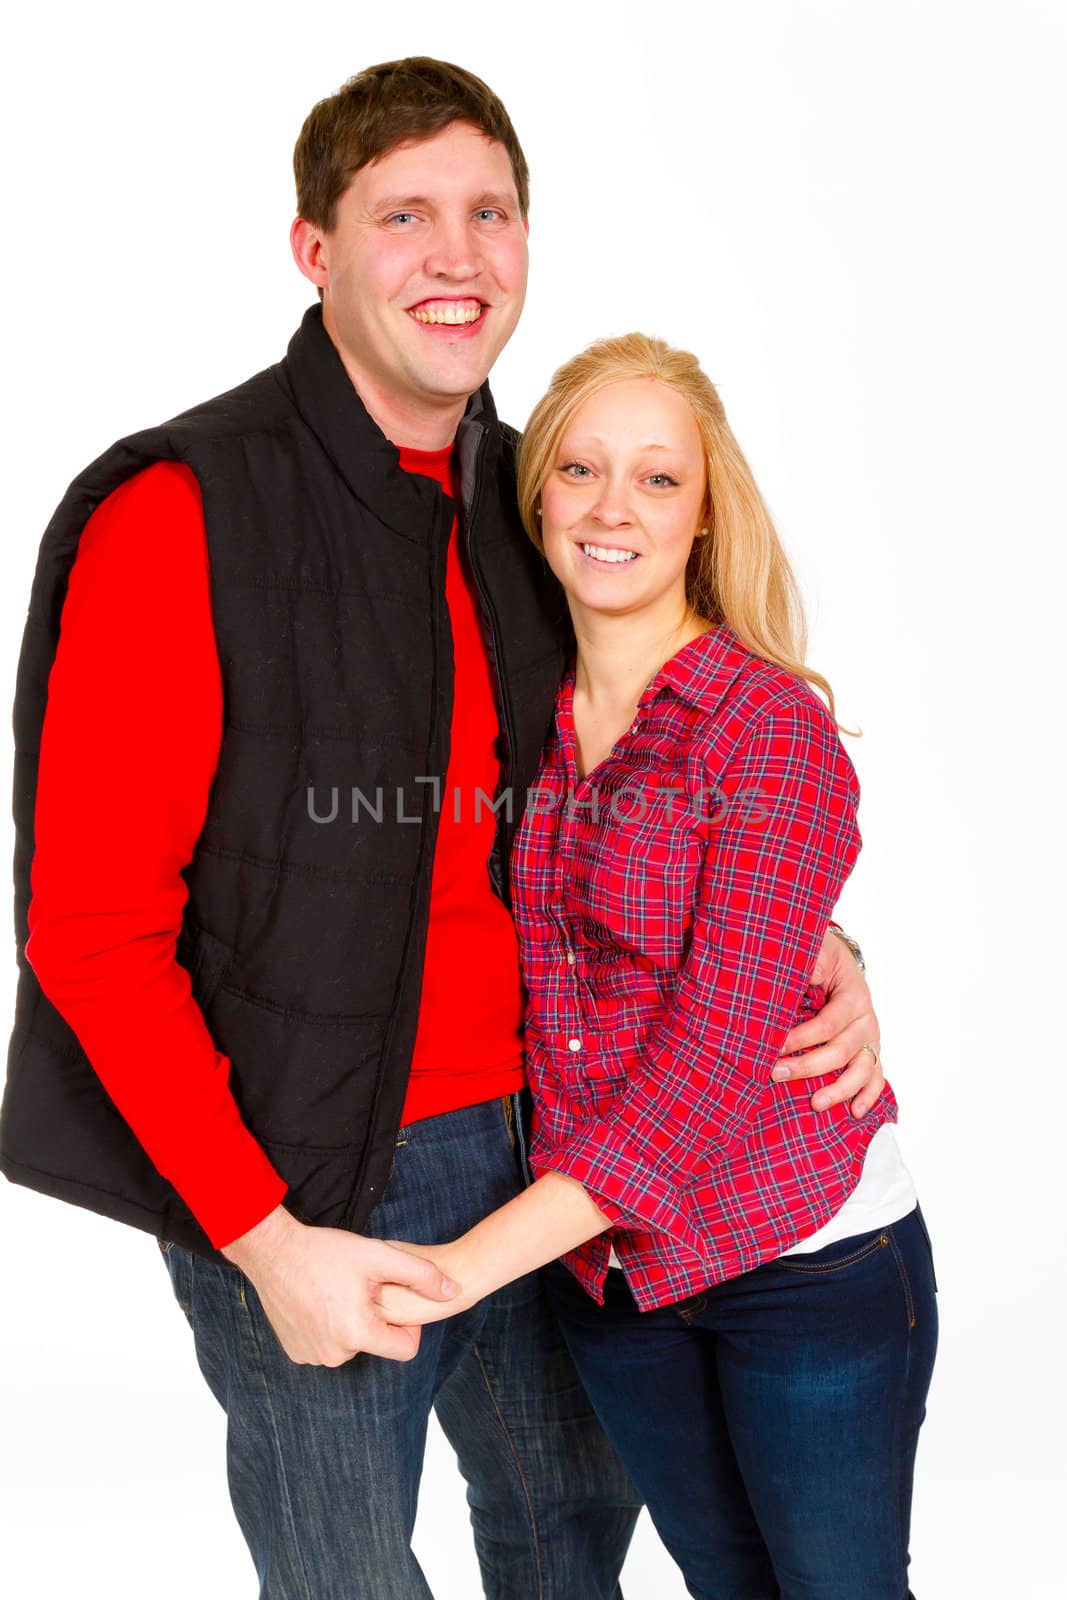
401 202
493 197
409 202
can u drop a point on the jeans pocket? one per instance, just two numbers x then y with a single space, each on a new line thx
835 1257
902 1269
179 1264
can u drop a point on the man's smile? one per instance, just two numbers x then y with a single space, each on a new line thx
448 317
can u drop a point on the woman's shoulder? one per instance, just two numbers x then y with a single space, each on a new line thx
718 672
745 698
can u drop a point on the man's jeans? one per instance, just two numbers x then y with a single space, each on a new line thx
771 1421
324 1462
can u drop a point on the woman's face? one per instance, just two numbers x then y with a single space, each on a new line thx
623 500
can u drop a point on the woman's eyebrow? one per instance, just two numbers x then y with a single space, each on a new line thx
594 439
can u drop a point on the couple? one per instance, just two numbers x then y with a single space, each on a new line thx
296 1051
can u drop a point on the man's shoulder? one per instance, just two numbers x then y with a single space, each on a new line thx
260 402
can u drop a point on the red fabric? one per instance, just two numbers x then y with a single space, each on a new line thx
469 1042
129 750
669 907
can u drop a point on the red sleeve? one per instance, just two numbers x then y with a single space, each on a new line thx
774 867
129 749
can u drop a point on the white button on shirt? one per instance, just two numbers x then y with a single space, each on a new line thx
574 1044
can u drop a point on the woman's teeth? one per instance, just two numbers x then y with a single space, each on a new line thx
597 553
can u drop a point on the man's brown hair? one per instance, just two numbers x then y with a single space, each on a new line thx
386 106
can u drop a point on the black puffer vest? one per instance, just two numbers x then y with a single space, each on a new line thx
304 938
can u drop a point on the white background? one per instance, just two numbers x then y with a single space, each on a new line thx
853 213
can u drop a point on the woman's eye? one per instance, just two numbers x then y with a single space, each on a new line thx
576 469
662 478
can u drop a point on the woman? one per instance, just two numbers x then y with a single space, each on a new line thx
759 1329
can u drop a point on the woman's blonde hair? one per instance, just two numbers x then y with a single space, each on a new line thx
739 574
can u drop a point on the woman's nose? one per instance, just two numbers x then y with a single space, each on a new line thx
612 507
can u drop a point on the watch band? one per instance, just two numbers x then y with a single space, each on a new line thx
853 946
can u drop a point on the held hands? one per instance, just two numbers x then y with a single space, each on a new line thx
834 1040
320 1288
407 1305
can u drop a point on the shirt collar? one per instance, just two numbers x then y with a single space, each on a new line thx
699 673
315 378
702 670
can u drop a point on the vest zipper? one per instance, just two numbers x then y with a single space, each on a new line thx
494 631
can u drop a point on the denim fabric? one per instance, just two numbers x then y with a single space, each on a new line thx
771 1421
324 1463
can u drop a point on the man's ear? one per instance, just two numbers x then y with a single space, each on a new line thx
310 250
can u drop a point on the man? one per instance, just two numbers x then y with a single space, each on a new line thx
301 629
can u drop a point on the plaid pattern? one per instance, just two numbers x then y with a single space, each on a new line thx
669 907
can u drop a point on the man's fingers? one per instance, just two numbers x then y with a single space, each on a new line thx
835 1043
396 1344
836 1016
397 1266
864 1084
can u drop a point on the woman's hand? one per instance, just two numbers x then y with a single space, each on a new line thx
554 1215
406 1308
834 1040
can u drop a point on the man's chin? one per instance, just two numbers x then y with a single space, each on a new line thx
450 383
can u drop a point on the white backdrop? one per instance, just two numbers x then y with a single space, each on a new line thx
850 210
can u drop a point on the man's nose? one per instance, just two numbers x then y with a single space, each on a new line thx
453 251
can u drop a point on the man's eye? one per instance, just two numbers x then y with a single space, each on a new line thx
401 216
489 212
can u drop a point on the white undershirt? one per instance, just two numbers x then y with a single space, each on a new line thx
885 1193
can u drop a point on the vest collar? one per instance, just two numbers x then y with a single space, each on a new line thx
314 377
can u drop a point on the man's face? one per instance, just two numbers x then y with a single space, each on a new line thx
423 273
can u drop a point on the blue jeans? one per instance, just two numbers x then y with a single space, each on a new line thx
771 1421
324 1463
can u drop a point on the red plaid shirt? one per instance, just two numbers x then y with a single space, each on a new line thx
670 906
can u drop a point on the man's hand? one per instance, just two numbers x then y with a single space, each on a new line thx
834 1040
318 1287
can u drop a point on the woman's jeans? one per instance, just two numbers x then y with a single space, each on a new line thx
324 1462
770 1422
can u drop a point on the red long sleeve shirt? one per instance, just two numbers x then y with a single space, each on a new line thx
129 750
670 906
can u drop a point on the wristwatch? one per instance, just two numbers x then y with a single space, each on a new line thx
853 946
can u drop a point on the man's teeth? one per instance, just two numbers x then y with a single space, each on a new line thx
469 312
600 554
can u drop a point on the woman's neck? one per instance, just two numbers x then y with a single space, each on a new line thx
619 656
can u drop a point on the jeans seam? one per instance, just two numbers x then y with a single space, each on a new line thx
520 1134
282 1475
921 1220
519 1469
903 1271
